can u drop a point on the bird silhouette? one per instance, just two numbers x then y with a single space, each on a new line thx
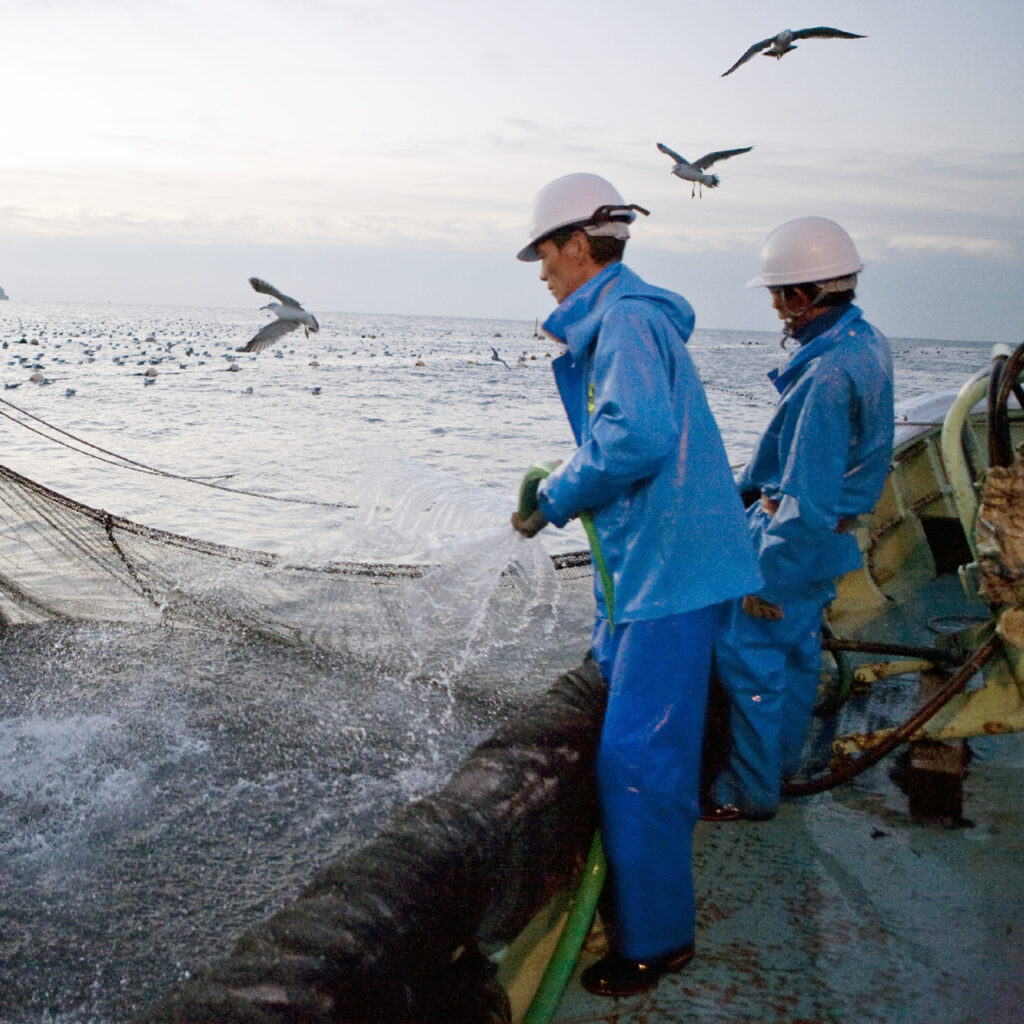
497 359
695 171
779 45
290 316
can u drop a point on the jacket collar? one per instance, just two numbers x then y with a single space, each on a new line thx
820 324
831 335
577 319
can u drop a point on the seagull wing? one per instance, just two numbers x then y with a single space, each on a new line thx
756 48
265 338
265 288
672 153
825 32
723 154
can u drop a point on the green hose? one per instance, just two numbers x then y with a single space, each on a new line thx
574 933
606 577
559 970
528 488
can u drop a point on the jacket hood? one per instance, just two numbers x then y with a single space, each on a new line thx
578 319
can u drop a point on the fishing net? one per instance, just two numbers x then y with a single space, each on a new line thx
62 559
392 933
471 595
403 919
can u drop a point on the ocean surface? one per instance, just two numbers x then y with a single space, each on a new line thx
161 789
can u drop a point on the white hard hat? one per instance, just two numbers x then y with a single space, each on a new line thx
807 250
584 199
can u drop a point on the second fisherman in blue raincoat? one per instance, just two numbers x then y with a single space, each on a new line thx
820 463
652 472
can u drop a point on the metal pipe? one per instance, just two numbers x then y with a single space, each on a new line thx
853 768
901 650
960 479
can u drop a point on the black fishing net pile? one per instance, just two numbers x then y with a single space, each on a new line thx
392 932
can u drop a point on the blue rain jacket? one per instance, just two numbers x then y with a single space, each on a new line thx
824 455
650 466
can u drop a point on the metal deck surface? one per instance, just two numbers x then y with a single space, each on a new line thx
841 910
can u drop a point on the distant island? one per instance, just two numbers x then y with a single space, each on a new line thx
3 294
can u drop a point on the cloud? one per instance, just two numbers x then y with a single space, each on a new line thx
969 246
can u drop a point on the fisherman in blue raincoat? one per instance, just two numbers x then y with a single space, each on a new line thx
652 472
820 463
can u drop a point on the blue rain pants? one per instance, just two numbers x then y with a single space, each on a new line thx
648 772
771 671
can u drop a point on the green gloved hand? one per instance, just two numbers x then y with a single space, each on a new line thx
528 518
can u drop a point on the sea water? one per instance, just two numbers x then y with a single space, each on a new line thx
160 790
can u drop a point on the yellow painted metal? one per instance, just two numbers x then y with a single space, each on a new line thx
521 965
996 707
965 496
932 477
885 669
856 743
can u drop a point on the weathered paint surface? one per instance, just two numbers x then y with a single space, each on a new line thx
843 911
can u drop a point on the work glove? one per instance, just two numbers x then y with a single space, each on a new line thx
531 525
758 608
528 518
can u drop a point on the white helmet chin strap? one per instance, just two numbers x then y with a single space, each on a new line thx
609 229
837 284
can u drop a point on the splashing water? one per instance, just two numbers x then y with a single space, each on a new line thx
484 589
161 789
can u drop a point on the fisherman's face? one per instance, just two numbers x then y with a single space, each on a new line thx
790 304
563 270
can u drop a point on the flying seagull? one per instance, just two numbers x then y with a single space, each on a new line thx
497 359
778 46
289 313
694 171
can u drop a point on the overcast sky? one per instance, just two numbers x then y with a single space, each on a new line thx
382 156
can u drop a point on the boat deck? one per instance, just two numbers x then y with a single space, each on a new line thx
934 609
843 910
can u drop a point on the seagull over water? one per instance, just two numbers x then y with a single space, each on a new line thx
779 45
497 359
290 315
695 171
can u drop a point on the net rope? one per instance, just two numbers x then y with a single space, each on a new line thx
61 559
123 462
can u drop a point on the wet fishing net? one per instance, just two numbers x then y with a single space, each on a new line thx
413 913
62 559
